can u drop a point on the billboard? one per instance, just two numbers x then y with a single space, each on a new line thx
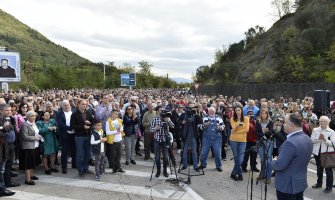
10 68
128 79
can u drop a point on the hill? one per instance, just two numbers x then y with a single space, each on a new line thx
299 47
33 46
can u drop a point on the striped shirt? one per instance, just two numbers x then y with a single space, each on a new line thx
213 119
159 134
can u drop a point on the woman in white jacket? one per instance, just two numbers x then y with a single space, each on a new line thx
323 140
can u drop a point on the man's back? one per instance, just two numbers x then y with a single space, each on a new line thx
291 166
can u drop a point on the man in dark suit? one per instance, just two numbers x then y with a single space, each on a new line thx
6 70
291 165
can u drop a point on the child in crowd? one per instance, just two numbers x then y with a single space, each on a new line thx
98 148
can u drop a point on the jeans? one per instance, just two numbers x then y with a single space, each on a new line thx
267 146
213 140
329 173
68 147
161 146
99 164
190 142
129 142
285 196
83 153
238 148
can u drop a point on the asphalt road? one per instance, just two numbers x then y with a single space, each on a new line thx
135 184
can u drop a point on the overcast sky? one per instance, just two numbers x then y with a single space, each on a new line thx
176 36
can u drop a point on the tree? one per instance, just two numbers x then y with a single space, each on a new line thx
281 8
145 67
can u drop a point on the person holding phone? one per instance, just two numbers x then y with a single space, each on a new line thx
238 139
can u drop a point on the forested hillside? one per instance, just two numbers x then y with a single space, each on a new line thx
299 47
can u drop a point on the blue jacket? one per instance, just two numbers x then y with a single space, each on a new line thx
291 166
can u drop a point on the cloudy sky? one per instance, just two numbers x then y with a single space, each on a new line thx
176 36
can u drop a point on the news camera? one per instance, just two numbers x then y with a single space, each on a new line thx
166 113
191 111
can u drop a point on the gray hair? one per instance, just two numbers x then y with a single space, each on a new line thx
30 113
62 104
323 117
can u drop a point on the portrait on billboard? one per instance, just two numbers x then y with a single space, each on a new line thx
10 68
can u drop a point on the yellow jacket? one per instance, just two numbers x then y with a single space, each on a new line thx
239 133
110 138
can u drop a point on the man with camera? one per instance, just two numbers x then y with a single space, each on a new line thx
189 121
212 126
162 140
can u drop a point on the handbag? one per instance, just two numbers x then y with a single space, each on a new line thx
328 159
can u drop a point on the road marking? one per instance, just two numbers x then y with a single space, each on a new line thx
20 195
190 191
311 170
99 185
305 198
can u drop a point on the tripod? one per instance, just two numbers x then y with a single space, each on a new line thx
170 155
265 161
188 130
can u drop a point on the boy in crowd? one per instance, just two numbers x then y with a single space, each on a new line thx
98 148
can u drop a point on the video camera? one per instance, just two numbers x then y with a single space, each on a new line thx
190 111
166 113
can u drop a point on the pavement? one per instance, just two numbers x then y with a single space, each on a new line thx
135 184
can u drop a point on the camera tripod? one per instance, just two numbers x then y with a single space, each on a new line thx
255 148
171 161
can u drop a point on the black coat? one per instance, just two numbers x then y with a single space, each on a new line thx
77 123
129 125
259 131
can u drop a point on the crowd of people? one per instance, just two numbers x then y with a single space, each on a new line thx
90 126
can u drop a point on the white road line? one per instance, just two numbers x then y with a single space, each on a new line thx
311 170
98 185
190 191
20 195
305 198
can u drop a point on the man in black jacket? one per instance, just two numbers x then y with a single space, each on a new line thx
81 122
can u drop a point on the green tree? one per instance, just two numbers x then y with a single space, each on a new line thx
145 67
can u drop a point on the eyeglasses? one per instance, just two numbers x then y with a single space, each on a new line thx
24 107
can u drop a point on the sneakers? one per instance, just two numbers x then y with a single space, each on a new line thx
133 162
